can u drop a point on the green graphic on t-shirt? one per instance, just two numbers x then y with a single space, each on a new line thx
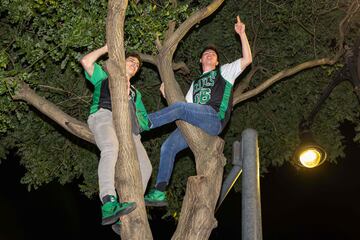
202 88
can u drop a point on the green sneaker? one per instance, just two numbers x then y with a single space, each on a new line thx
116 227
155 198
112 210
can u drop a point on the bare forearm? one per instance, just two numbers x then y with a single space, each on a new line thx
89 59
246 50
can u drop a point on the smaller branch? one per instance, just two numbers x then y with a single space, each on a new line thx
304 27
354 7
255 31
260 12
173 3
158 43
170 30
314 39
43 56
79 98
55 89
148 58
179 66
330 10
275 5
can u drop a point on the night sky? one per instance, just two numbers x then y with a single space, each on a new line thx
320 203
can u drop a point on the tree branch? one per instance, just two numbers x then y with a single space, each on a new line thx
171 43
170 30
176 66
353 8
281 75
148 58
173 3
158 43
181 67
70 124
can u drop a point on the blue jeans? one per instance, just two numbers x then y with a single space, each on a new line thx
201 116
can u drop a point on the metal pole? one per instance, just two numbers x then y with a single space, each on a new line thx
251 207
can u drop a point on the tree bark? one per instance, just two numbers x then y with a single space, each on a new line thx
128 179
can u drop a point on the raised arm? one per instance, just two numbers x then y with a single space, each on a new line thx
246 51
89 59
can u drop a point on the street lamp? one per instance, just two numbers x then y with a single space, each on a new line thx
309 153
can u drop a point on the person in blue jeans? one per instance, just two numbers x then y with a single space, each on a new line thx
208 106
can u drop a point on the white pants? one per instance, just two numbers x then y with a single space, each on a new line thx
101 125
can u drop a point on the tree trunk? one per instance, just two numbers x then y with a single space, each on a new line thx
197 214
128 179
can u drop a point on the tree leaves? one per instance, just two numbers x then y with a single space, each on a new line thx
43 40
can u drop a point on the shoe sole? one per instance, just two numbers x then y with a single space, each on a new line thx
156 204
115 218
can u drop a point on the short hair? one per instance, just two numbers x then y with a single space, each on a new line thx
211 47
135 55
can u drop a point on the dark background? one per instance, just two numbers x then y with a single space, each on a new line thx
320 203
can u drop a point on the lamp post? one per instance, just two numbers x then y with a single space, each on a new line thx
309 153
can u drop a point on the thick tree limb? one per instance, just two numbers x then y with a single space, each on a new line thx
171 43
70 124
176 66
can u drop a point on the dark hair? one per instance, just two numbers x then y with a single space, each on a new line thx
135 55
211 47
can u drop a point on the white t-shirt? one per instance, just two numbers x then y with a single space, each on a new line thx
229 72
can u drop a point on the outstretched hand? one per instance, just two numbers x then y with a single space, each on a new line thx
239 26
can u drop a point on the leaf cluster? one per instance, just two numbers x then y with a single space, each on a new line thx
43 40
